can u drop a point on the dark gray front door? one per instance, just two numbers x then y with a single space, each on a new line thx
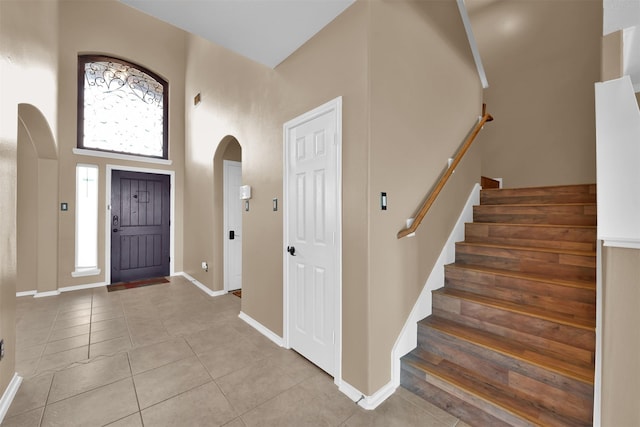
140 218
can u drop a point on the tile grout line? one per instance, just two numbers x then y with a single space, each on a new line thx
90 328
135 390
46 402
239 415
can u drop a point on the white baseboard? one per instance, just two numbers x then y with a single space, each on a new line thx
408 338
46 294
80 287
26 294
9 394
367 402
202 287
37 294
262 329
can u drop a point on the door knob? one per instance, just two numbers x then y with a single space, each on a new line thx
232 234
291 250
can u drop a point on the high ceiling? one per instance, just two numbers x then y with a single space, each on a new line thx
266 31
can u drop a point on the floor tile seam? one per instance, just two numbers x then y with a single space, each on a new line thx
435 416
264 402
72 317
44 347
72 336
70 365
112 338
235 409
46 401
168 363
94 388
135 389
301 400
66 349
54 328
108 354
85 392
180 394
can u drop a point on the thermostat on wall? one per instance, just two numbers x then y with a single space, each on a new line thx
245 192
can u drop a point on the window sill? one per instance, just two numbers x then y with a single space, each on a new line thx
107 155
83 272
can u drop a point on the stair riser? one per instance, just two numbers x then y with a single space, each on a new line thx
489 318
560 194
560 299
488 281
457 402
552 214
580 355
554 265
576 395
577 238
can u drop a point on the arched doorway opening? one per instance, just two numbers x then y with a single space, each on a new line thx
227 235
37 204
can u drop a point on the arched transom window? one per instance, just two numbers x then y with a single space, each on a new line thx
122 108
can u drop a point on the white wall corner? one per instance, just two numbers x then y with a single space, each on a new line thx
472 43
367 402
262 329
408 338
9 394
631 55
597 386
202 287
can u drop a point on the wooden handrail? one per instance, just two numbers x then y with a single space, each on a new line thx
486 117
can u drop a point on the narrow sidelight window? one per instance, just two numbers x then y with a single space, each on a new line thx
86 220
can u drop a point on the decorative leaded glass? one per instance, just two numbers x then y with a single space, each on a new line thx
123 108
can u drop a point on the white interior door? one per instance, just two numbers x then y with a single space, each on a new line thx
232 225
312 212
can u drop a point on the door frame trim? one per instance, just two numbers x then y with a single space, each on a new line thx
333 105
225 220
107 212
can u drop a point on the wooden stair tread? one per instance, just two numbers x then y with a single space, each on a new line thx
512 335
525 224
532 311
506 205
484 389
575 283
530 248
533 355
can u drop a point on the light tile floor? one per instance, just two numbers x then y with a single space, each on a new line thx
169 355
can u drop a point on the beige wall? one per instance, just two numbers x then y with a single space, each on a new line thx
111 28
541 60
612 56
27 213
620 300
426 97
408 84
251 103
28 74
621 339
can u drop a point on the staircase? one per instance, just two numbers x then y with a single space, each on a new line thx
511 340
